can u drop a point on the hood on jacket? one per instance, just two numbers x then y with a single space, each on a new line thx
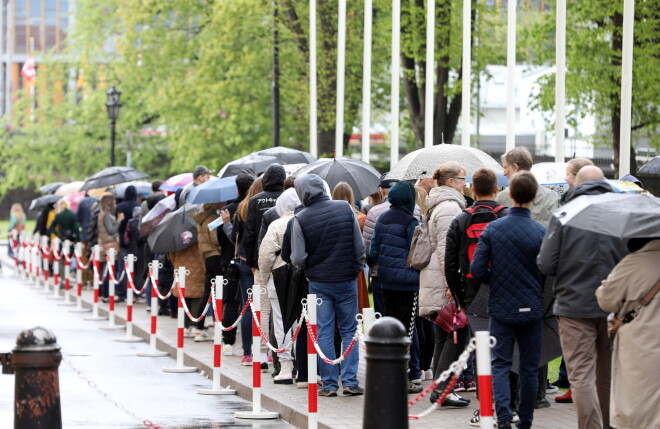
107 202
152 199
287 201
439 194
310 189
273 178
203 213
590 187
130 194
402 195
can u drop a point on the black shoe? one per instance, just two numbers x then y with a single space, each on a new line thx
562 383
105 300
504 426
452 400
541 403
353 391
327 393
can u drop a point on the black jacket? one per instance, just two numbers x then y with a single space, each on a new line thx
273 184
457 264
269 217
579 259
227 247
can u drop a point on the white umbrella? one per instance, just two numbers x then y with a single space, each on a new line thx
550 173
422 163
69 188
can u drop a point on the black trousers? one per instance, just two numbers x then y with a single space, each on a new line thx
213 268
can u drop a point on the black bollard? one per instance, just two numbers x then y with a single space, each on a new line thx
386 394
35 360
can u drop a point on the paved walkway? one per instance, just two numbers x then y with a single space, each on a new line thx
334 413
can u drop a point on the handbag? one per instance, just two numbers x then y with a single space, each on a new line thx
614 322
231 272
450 318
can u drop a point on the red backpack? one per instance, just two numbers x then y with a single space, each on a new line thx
480 217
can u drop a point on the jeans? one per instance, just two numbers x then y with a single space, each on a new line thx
230 303
528 337
212 268
377 292
339 307
246 280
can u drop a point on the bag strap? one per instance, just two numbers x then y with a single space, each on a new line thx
236 246
649 296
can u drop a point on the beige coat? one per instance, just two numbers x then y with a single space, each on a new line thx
271 245
445 203
207 241
636 357
192 260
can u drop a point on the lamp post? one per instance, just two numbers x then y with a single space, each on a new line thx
113 106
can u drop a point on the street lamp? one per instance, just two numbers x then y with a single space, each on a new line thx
113 106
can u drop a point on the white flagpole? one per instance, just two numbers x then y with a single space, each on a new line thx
341 69
313 135
626 85
430 75
366 82
467 72
396 65
560 81
511 77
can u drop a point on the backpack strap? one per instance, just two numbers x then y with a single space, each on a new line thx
649 296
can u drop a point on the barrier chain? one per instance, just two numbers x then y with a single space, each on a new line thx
185 306
265 338
79 260
237 321
154 284
318 348
131 283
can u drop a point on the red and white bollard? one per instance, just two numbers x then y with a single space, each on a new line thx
312 376
153 275
181 318
96 263
79 269
257 412
129 262
56 268
44 262
24 255
36 260
485 379
218 285
112 283
66 254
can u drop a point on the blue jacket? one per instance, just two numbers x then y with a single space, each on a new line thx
390 242
506 259
325 235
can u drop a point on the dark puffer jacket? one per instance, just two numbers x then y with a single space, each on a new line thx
390 242
325 236
273 183
505 258
579 259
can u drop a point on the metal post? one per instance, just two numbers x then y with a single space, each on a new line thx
130 281
560 80
396 63
626 86
153 350
511 77
485 379
341 68
112 142
96 263
467 72
180 367
430 73
313 133
366 82
386 395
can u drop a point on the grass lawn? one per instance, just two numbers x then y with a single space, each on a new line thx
4 224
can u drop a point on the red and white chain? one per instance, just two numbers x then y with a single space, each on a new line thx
456 368
265 338
154 285
79 259
45 250
215 312
56 255
185 306
343 356
131 284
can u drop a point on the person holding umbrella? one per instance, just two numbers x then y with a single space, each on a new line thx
108 233
580 260
269 261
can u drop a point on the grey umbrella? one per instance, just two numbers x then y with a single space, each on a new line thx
360 176
175 232
113 176
51 187
43 201
652 167
252 164
477 315
613 214
423 162
287 155
141 187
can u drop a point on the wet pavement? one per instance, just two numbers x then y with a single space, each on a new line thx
103 384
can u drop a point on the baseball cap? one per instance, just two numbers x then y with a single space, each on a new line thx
201 169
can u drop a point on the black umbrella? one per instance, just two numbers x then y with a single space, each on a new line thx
359 175
477 315
287 155
51 187
43 201
291 287
175 232
652 167
252 164
113 176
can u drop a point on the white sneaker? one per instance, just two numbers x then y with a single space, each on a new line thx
203 336
228 349
427 375
189 333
